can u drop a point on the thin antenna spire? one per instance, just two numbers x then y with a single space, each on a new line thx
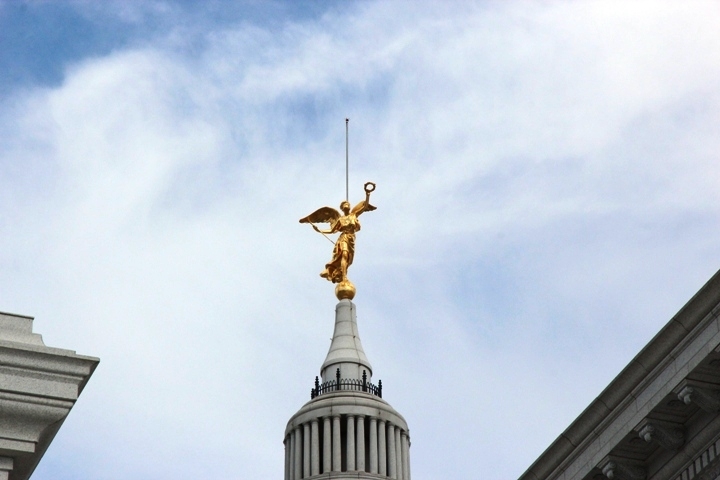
347 167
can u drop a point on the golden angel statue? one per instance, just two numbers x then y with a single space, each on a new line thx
347 224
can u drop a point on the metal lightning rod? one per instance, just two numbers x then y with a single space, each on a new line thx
347 175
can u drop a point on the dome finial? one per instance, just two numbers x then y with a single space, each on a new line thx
345 290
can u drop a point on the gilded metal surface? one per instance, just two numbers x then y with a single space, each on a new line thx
346 224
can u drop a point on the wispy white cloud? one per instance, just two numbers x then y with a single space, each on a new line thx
546 178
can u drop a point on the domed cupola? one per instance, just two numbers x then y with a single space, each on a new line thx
346 430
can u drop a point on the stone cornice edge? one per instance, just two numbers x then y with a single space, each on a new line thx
679 327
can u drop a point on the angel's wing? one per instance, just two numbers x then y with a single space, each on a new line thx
322 215
363 206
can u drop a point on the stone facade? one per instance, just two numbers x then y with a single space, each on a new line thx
346 430
659 419
38 387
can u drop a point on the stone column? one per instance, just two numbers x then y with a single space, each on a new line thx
373 446
291 467
306 450
287 457
382 451
350 443
392 452
314 448
408 457
398 454
405 456
360 463
297 462
336 445
327 445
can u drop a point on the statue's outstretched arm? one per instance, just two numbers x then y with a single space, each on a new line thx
365 206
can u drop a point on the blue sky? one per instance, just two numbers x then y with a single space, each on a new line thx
40 39
547 191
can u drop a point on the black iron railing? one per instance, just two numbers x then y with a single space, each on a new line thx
346 384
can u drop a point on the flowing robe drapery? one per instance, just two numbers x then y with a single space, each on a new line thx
348 225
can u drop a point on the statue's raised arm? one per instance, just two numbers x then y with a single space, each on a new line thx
347 224
364 205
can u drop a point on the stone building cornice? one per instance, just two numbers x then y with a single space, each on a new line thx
646 389
38 387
